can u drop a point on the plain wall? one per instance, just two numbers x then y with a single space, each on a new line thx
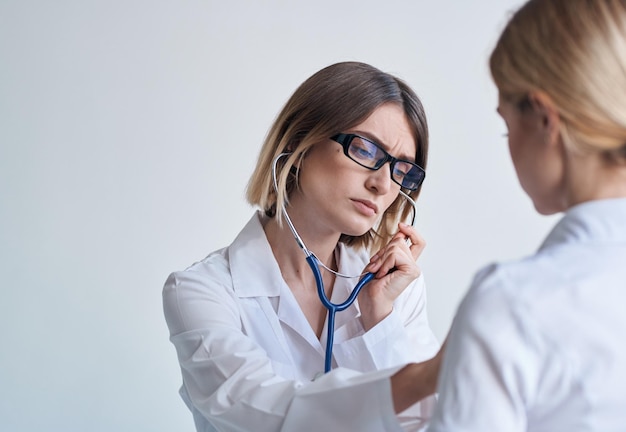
128 131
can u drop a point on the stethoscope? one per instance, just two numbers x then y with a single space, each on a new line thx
315 263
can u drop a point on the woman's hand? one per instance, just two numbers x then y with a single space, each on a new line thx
394 268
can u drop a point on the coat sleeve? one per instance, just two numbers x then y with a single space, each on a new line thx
230 381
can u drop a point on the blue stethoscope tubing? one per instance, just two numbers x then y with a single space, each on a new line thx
311 259
333 307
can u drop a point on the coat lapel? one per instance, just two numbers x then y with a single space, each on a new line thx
255 273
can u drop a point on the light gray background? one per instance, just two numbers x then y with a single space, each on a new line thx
128 130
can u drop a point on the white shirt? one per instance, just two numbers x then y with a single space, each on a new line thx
540 344
248 355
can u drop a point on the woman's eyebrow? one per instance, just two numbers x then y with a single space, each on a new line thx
372 137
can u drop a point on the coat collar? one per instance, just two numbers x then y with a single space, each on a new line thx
601 221
255 272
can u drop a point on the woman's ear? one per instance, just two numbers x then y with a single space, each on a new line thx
548 116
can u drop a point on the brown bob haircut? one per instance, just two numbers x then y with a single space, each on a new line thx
334 99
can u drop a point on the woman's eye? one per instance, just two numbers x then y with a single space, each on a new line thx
399 173
363 153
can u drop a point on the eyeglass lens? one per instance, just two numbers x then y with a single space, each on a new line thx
370 155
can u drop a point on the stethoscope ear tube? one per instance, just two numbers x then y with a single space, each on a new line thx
332 307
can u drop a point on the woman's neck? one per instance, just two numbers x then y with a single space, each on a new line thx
295 269
287 252
592 177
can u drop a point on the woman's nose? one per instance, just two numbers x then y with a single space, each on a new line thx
380 180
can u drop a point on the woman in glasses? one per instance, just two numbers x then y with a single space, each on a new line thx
340 166
538 344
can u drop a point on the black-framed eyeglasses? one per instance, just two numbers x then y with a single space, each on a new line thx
370 155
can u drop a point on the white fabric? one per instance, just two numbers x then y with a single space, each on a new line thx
248 355
540 344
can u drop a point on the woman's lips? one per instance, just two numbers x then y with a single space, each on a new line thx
365 207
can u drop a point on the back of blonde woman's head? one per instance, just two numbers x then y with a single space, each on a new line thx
575 52
331 101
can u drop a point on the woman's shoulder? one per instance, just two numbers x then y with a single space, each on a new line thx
511 293
196 295
216 266
213 268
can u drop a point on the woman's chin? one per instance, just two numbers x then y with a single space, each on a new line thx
357 232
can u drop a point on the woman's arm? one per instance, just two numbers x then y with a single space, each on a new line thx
415 382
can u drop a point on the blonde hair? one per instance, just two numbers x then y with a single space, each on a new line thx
334 99
575 52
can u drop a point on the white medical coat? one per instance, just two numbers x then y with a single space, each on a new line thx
540 344
248 355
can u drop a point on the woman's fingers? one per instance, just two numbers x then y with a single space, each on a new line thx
417 241
409 237
401 252
394 260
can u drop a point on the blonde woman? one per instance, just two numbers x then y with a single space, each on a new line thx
539 344
335 177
